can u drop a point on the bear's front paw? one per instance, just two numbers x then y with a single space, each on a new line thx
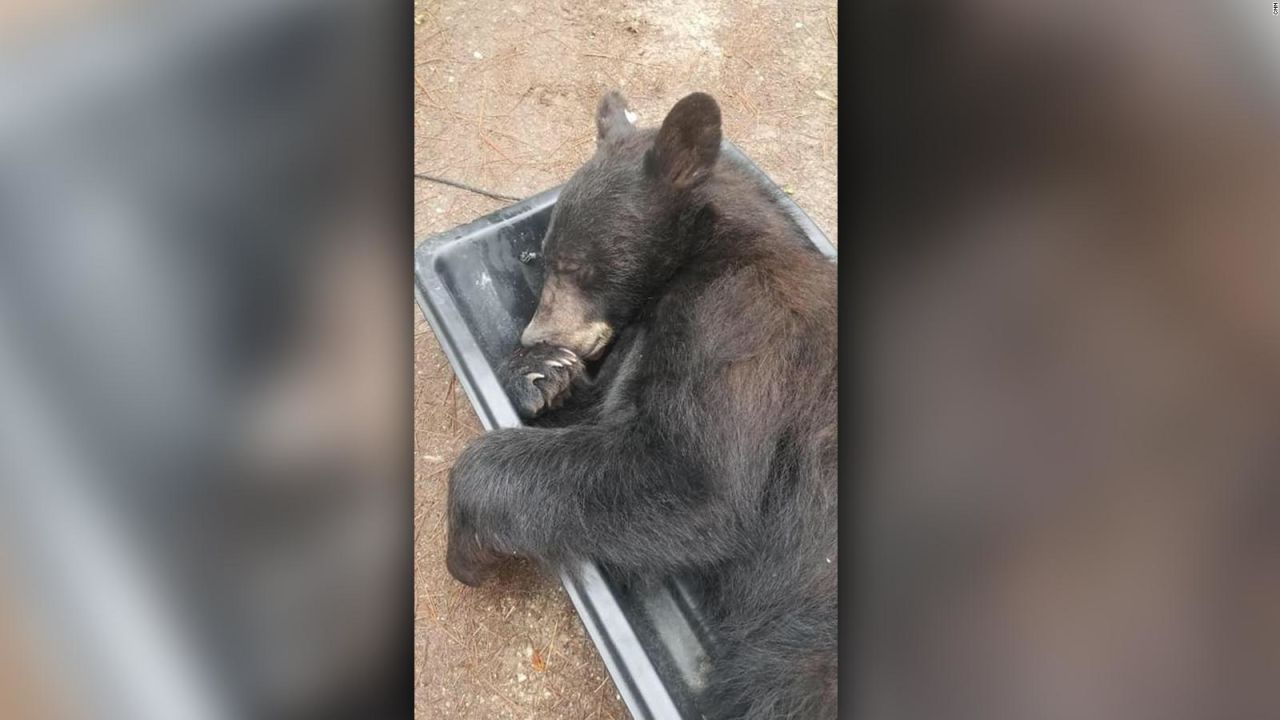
538 378
469 561
482 508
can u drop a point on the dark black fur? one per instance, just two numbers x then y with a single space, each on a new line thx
706 441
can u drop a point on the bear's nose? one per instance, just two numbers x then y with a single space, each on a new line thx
534 334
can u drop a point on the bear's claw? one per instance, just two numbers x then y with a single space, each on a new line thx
538 378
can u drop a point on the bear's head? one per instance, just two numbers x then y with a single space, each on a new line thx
624 222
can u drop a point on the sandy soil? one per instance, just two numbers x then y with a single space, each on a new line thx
504 98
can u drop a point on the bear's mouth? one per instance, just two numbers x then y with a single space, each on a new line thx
602 342
599 345
595 361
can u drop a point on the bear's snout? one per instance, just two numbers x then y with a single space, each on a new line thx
565 319
586 341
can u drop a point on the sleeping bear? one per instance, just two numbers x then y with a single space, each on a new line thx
679 376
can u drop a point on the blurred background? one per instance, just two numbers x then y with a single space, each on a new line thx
205 290
1069 332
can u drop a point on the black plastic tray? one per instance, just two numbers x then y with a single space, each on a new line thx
478 296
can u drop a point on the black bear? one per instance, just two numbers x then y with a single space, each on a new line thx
686 340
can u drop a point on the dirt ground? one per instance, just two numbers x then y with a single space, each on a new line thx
504 99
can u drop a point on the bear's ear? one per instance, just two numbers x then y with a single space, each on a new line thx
612 121
688 142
